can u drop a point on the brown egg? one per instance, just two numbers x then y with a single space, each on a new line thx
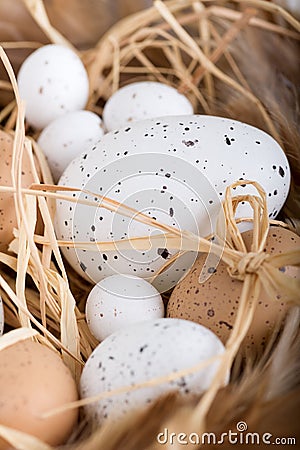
33 380
214 303
8 219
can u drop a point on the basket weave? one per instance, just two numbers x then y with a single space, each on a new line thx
210 51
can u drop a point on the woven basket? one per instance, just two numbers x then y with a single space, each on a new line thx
210 51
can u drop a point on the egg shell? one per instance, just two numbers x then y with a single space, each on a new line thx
8 219
173 169
144 351
52 81
67 137
215 302
143 100
34 380
1 317
120 300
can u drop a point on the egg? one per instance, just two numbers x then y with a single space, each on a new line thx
120 300
215 302
34 380
143 100
1 317
174 170
52 81
67 136
141 352
8 219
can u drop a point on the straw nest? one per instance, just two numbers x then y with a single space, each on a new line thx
209 50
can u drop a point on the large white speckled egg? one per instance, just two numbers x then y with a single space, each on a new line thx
144 351
52 81
143 100
120 300
67 137
1 317
174 170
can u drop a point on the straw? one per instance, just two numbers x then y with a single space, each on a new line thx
38 12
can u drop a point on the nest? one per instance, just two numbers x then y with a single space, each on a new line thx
209 51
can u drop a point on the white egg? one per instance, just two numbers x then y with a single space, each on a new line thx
143 100
1 317
68 136
174 170
144 351
52 81
120 300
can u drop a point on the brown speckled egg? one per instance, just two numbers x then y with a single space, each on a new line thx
8 218
33 380
214 303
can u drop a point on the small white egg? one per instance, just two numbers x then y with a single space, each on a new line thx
120 300
68 136
141 352
143 100
52 81
1 317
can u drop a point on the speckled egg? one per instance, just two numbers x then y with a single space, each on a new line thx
143 100
214 303
52 81
293 6
174 170
67 137
120 300
34 380
1 317
142 352
8 219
